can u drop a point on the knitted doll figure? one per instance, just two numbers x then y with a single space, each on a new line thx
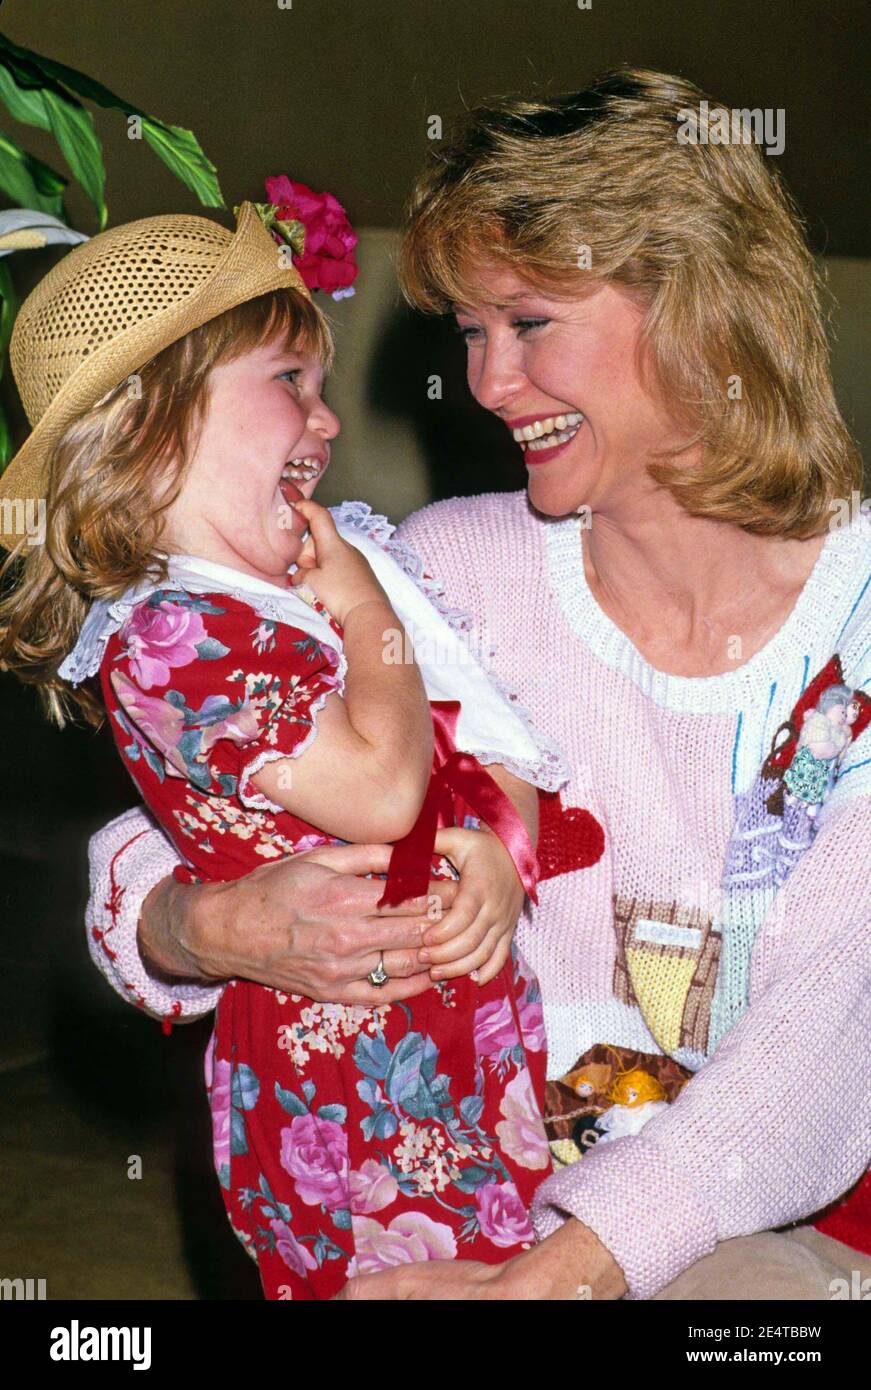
824 737
259 718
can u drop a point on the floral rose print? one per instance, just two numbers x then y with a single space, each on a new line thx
295 1256
315 1154
503 1217
160 637
373 1187
521 1133
409 1238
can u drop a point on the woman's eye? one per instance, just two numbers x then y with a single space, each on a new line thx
466 331
523 325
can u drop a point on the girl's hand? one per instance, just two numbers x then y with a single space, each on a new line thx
476 933
337 572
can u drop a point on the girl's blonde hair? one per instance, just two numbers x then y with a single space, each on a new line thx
112 474
570 191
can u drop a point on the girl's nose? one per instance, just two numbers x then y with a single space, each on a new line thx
324 420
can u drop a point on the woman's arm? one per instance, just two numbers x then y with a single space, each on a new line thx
308 924
131 860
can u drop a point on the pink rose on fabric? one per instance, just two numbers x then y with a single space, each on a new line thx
219 1097
494 1028
239 727
327 262
408 1239
157 639
315 1154
295 1255
373 1187
502 1216
159 721
532 1023
521 1132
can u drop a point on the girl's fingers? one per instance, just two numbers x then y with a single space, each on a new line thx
491 969
475 960
463 944
460 917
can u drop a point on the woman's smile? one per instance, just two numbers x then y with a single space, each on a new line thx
542 437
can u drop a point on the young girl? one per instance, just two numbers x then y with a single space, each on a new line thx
174 373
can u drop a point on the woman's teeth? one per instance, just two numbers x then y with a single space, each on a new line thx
301 470
550 430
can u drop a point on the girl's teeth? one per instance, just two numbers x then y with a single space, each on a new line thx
301 470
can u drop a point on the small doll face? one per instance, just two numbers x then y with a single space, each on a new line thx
263 443
843 714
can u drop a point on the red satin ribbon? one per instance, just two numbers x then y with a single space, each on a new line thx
461 775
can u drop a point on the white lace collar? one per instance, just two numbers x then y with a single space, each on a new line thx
492 725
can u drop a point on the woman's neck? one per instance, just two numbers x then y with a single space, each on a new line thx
696 597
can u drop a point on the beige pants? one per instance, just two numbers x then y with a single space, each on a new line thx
801 1264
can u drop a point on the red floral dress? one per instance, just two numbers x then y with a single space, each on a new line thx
346 1139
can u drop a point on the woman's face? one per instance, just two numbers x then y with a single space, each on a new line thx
567 372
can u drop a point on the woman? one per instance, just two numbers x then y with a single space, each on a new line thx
643 314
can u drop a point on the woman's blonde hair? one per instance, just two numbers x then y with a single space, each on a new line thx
570 191
111 476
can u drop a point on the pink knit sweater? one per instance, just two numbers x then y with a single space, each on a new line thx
700 933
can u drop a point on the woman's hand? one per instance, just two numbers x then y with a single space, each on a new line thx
476 932
570 1264
307 924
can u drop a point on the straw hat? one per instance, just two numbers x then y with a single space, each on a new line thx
111 305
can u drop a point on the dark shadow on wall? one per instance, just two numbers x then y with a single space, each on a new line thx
466 448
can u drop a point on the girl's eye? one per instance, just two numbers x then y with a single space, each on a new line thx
293 373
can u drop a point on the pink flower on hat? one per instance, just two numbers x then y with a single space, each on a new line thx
327 262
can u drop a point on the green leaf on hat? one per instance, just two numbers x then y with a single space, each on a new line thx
289 229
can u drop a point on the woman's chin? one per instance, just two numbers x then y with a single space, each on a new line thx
552 498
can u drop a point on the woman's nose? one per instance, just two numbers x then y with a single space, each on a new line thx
494 375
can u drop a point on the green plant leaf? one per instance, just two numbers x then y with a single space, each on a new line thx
181 153
178 148
5 441
29 182
35 98
73 128
8 310
26 104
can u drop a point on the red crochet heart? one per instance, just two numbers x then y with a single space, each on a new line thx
569 837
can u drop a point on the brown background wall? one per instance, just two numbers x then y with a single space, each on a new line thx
336 92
